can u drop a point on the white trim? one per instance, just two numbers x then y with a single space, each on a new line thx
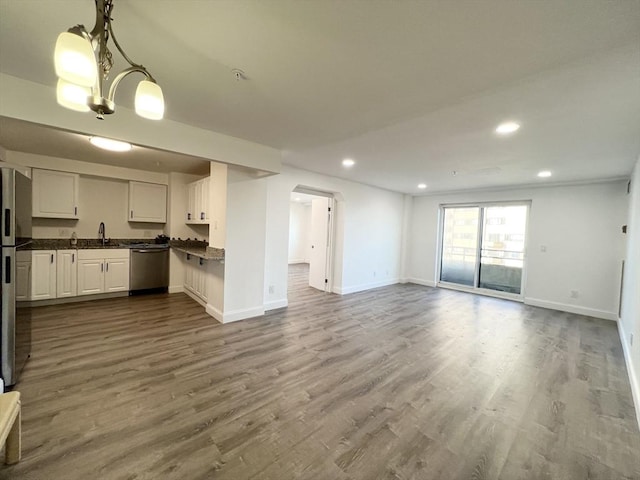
421 281
364 286
297 260
235 315
214 312
176 289
565 307
273 304
195 297
487 292
433 193
633 377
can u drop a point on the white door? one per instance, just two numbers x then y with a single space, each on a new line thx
319 243
90 276
116 275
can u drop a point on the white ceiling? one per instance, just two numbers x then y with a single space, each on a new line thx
23 136
411 90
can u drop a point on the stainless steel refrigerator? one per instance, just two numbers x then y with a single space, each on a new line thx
15 266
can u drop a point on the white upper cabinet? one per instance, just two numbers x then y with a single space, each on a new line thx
147 202
198 202
55 194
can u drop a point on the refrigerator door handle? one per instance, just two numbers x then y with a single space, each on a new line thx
7 222
7 269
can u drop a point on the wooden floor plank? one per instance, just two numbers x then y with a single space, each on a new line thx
400 382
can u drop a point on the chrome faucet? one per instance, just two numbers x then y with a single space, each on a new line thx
101 234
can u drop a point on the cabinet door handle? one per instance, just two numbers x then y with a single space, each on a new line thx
73 258
102 267
75 210
131 213
52 258
188 216
201 215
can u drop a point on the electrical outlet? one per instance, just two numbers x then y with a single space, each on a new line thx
575 293
272 289
543 248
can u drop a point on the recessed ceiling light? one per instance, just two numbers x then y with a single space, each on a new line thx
109 144
544 174
507 128
422 186
348 162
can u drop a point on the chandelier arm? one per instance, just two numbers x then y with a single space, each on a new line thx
126 57
124 73
98 28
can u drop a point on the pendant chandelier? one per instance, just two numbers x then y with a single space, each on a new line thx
83 63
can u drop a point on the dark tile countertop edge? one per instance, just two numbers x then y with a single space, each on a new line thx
206 253
196 248
84 243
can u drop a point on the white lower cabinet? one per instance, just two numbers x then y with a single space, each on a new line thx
23 275
195 276
43 274
66 273
103 271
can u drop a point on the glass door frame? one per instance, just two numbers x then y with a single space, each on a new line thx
519 297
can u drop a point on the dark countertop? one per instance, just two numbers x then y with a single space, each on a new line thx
84 243
196 248
206 253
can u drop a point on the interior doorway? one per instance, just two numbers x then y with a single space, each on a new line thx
311 237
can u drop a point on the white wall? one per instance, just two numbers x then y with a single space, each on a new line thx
368 223
166 135
580 226
299 230
630 320
218 204
243 276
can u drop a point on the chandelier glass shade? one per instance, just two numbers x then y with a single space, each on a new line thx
83 64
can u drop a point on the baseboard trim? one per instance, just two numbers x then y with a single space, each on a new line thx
273 304
421 281
214 312
236 315
195 297
633 377
565 307
364 286
176 289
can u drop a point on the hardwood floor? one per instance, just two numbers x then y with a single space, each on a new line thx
402 382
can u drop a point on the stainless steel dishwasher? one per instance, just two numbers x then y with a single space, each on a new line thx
149 268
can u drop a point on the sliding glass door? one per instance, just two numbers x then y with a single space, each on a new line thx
483 247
